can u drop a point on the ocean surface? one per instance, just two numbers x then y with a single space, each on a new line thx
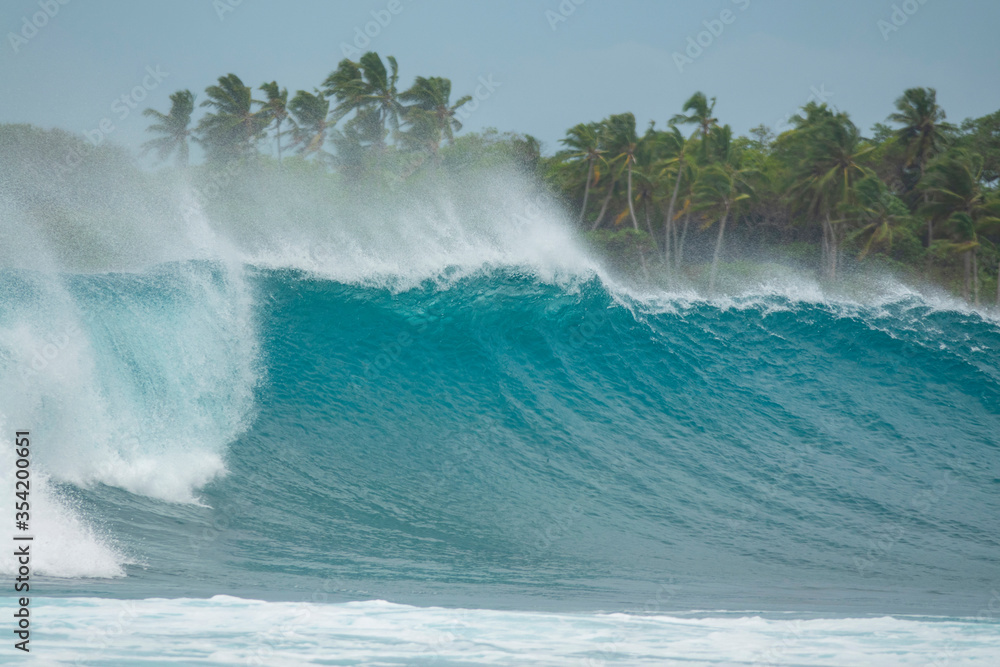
495 453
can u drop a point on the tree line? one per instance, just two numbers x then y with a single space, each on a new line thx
920 194
360 110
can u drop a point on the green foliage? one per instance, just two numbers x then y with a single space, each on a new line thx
820 192
173 127
918 193
233 127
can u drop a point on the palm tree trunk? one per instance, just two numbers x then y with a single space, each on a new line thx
829 248
677 247
668 248
833 247
279 141
631 210
930 223
824 250
680 246
718 251
649 225
642 262
967 265
930 238
670 209
586 190
975 277
604 206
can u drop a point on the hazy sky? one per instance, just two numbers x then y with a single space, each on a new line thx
762 59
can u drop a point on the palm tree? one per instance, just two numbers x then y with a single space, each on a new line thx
924 133
956 195
675 143
174 128
276 108
583 145
603 140
310 124
883 216
369 89
646 158
700 114
233 129
722 186
610 137
829 166
691 183
623 142
431 114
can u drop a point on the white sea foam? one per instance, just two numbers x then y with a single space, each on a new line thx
231 631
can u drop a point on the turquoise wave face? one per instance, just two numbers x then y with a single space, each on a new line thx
503 442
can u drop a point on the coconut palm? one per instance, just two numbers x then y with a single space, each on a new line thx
649 180
957 197
430 114
310 123
234 127
622 143
699 113
174 128
369 89
675 165
609 137
689 189
924 133
276 108
722 186
829 166
882 216
583 146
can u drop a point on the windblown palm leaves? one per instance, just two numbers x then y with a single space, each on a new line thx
699 111
958 198
674 166
233 127
924 130
622 143
721 187
310 123
173 128
924 134
830 149
275 110
430 114
368 89
882 217
584 149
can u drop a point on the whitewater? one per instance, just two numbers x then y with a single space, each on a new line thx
440 432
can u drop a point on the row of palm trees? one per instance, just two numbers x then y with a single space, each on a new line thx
368 111
822 182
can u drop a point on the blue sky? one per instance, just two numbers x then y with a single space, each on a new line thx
761 59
